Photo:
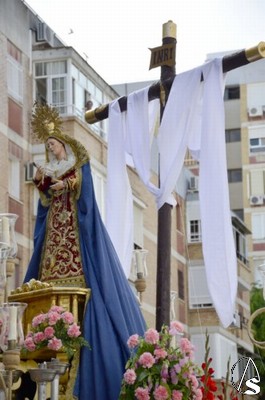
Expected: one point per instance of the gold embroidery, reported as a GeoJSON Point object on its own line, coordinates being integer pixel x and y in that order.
{"type": "Point", "coordinates": [61, 257]}
{"type": "Point", "coordinates": [45, 200]}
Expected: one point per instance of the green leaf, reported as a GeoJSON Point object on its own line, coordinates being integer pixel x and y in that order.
{"type": "Point", "coordinates": [144, 374]}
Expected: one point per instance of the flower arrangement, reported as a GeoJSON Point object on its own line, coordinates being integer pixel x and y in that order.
{"type": "Point", "coordinates": [158, 370]}
{"type": "Point", "coordinates": [55, 330]}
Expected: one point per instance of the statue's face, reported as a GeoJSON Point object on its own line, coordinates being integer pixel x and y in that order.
{"type": "Point", "coordinates": [56, 147]}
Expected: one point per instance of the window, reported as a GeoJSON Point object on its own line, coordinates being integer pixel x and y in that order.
{"type": "Point", "coordinates": [199, 295]}
{"type": "Point", "coordinates": [232, 135]}
{"type": "Point", "coordinates": [50, 84]}
{"type": "Point", "coordinates": [255, 99]}
{"type": "Point", "coordinates": [179, 219]}
{"type": "Point", "coordinates": [240, 243]}
{"type": "Point", "coordinates": [14, 178]}
{"type": "Point", "coordinates": [234, 175]}
{"type": "Point", "coordinates": [41, 90]}
{"type": "Point", "coordinates": [59, 99]}
{"type": "Point", "coordinates": [195, 231]}
{"type": "Point", "coordinates": [257, 138]}
{"type": "Point", "coordinates": [14, 72]}
{"type": "Point", "coordinates": [240, 213]}
{"type": "Point", "coordinates": [257, 182]}
{"type": "Point", "coordinates": [84, 90]}
{"type": "Point", "coordinates": [181, 290]}
{"type": "Point", "coordinates": [232, 92]}
{"type": "Point", "coordinates": [258, 226]}
{"type": "Point", "coordinates": [257, 145]}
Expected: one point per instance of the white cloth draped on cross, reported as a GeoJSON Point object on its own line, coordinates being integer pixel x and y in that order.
{"type": "Point", "coordinates": [193, 118]}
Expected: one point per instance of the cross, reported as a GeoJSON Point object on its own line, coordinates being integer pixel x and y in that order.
{"type": "Point", "coordinates": [164, 56]}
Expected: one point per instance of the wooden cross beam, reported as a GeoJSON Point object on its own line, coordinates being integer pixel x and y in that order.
{"type": "Point", "coordinates": [229, 62]}
{"type": "Point", "coordinates": [161, 89]}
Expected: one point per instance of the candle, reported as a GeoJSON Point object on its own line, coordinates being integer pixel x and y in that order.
{"type": "Point", "coordinates": [5, 229]}
{"type": "Point", "coordinates": [139, 262]}
{"type": "Point", "coordinates": [12, 334]}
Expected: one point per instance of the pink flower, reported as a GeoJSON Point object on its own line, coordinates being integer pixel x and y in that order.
{"type": "Point", "coordinates": [177, 395]}
{"type": "Point", "coordinates": [183, 361]}
{"type": "Point", "coordinates": [57, 309]}
{"type": "Point", "coordinates": [49, 332]}
{"type": "Point", "coordinates": [176, 328]}
{"type": "Point", "coordinates": [68, 317]}
{"type": "Point", "coordinates": [164, 372]}
{"type": "Point", "coordinates": [38, 319]}
{"type": "Point", "coordinates": [151, 336]}
{"type": "Point", "coordinates": [177, 368]}
{"type": "Point", "coordinates": [142, 393]}
{"type": "Point", "coordinates": [198, 394]}
{"type": "Point", "coordinates": [53, 317]}
{"type": "Point", "coordinates": [54, 344]}
{"type": "Point", "coordinates": [74, 330]}
{"type": "Point", "coordinates": [130, 376]}
{"type": "Point", "coordinates": [29, 344]}
{"type": "Point", "coordinates": [133, 341]}
{"type": "Point", "coordinates": [160, 353]}
{"type": "Point", "coordinates": [194, 381]}
{"type": "Point", "coordinates": [185, 345]}
{"type": "Point", "coordinates": [161, 393]}
{"type": "Point", "coordinates": [38, 337]}
{"type": "Point", "coordinates": [146, 360]}
{"type": "Point", "coordinates": [173, 376]}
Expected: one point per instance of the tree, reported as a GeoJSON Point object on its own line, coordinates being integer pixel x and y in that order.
{"type": "Point", "coordinates": [258, 327]}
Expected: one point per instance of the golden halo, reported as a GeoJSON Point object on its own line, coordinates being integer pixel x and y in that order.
{"type": "Point", "coordinates": [43, 117]}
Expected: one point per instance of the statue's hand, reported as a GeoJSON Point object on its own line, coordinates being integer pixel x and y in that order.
{"type": "Point", "coordinates": [57, 184]}
{"type": "Point", "coordinates": [39, 173]}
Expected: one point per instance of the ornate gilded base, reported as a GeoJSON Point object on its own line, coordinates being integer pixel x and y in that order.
{"type": "Point", "coordinates": [40, 298]}
{"type": "Point", "coordinates": [40, 301]}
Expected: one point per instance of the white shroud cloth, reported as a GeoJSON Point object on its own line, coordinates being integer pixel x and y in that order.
{"type": "Point", "coordinates": [193, 118]}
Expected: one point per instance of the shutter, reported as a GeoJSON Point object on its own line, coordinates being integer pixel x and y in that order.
{"type": "Point", "coordinates": [257, 183]}
{"type": "Point", "coordinates": [199, 295]}
{"type": "Point", "coordinates": [258, 230]}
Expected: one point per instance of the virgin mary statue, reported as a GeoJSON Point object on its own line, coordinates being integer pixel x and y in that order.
{"type": "Point", "coordinates": [72, 248]}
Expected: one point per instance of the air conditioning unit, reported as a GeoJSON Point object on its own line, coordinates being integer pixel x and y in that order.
{"type": "Point", "coordinates": [194, 183]}
{"type": "Point", "coordinates": [44, 33]}
{"type": "Point", "coordinates": [256, 111]}
{"type": "Point", "coordinates": [256, 200]}
{"type": "Point", "coordinates": [237, 320]}
{"type": "Point", "coordinates": [29, 172]}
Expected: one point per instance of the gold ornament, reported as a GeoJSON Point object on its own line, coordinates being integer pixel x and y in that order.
{"type": "Point", "coordinates": [45, 121]}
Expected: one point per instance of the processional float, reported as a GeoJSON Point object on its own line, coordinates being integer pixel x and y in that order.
{"type": "Point", "coordinates": [25, 302]}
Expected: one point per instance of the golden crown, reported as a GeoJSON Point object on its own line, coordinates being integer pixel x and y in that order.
{"type": "Point", "coordinates": [43, 117]}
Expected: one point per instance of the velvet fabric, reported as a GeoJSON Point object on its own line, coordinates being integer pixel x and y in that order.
{"type": "Point", "coordinates": [112, 313]}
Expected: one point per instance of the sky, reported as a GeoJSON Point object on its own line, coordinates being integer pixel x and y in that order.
{"type": "Point", "coordinates": [114, 36]}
